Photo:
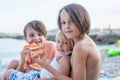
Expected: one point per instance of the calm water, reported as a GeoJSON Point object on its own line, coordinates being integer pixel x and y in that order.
{"type": "Point", "coordinates": [10, 49]}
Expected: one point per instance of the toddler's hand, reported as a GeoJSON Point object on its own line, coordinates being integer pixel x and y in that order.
{"type": "Point", "coordinates": [43, 61]}
{"type": "Point", "coordinates": [24, 53]}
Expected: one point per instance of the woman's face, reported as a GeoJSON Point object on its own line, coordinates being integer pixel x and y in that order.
{"type": "Point", "coordinates": [68, 26]}
{"type": "Point", "coordinates": [33, 36]}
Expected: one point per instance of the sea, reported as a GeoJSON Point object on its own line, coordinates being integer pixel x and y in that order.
{"type": "Point", "coordinates": [10, 49]}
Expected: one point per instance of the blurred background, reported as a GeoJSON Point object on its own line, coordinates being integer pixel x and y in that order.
{"type": "Point", "coordinates": [105, 28]}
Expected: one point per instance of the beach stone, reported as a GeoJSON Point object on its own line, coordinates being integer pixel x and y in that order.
{"type": "Point", "coordinates": [110, 67]}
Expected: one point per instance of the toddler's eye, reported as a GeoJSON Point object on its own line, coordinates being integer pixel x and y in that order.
{"type": "Point", "coordinates": [39, 34]}
{"type": "Point", "coordinates": [65, 43]}
{"type": "Point", "coordinates": [58, 42]}
{"type": "Point", "coordinates": [31, 35]}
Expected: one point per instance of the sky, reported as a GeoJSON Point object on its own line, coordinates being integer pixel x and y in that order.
{"type": "Point", "coordinates": [15, 14]}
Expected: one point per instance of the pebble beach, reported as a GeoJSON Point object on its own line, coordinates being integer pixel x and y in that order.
{"type": "Point", "coordinates": [110, 65]}
{"type": "Point", "coordinates": [110, 69]}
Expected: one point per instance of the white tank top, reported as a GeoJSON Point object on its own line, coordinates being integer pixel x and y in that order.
{"type": "Point", "coordinates": [45, 74]}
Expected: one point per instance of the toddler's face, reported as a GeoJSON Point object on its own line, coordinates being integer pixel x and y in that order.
{"type": "Point", "coordinates": [35, 36]}
{"type": "Point", "coordinates": [63, 46]}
